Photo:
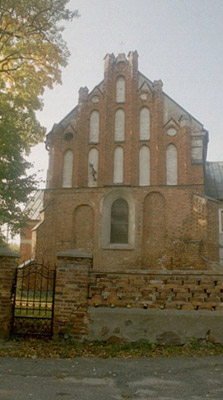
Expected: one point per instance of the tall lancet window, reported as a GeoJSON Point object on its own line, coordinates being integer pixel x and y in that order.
{"type": "Point", "coordinates": [67, 169]}
{"type": "Point", "coordinates": [119, 221]}
{"type": "Point", "coordinates": [119, 125]}
{"type": "Point", "coordinates": [171, 165]}
{"type": "Point", "coordinates": [144, 124]}
{"type": "Point", "coordinates": [144, 166]}
{"type": "Point", "coordinates": [118, 165]}
{"type": "Point", "coordinates": [94, 127]}
{"type": "Point", "coordinates": [93, 167]}
{"type": "Point", "coordinates": [120, 90]}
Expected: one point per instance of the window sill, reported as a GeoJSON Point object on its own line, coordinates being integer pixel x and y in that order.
{"type": "Point", "coordinates": [116, 246]}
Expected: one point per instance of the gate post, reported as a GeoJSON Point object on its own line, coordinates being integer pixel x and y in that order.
{"type": "Point", "coordinates": [71, 294]}
{"type": "Point", "coordinates": [8, 265]}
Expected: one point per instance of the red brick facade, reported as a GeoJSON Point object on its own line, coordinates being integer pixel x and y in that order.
{"type": "Point", "coordinates": [171, 226]}
{"type": "Point", "coordinates": [26, 240]}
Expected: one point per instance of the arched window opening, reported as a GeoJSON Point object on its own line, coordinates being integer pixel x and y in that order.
{"type": "Point", "coordinates": [144, 166]}
{"type": "Point", "coordinates": [120, 90]}
{"type": "Point", "coordinates": [67, 169]}
{"type": "Point", "coordinates": [119, 125]}
{"type": "Point", "coordinates": [93, 168]}
{"type": "Point", "coordinates": [144, 124]}
{"type": "Point", "coordinates": [118, 165]}
{"type": "Point", "coordinates": [171, 165]}
{"type": "Point", "coordinates": [94, 127]}
{"type": "Point", "coordinates": [119, 221]}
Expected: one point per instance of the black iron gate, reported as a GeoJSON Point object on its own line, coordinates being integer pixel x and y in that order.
{"type": "Point", "coordinates": [33, 300]}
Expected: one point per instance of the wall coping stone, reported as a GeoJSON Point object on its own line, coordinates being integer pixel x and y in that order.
{"type": "Point", "coordinates": [73, 254]}
{"type": "Point", "coordinates": [157, 272]}
{"type": "Point", "coordinates": [5, 252]}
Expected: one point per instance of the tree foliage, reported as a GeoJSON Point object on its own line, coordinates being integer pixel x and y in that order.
{"type": "Point", "coordinates": [32, 53]}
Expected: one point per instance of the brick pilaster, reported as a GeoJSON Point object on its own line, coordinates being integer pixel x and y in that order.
{"type": "Point", "coordinates": [8, 264]}
{"type": "Point", "coordinates": [71, 294]}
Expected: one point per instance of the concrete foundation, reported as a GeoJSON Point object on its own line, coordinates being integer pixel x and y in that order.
{"type": "Point", "coordinates": [167, 327]}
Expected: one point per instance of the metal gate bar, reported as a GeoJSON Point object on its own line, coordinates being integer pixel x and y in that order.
{"type": "Point", "coordinates": [33, 300]}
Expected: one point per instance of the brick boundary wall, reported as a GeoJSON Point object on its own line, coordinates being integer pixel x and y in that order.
{"type": "Point", "coordinates": [8, 265]}
{"type": "Point", "coordinates": [182, 290]}
{"type": "Point", "coordinates": [80, 289]}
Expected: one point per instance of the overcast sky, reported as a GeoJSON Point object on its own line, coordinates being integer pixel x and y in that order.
{"type": "Point", "coordinates": [178, 41]}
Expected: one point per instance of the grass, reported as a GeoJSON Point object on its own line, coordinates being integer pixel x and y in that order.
{"type": "Point", "coordinates": [33, 306]}
{"type": "Point", "coordinates": [39, 348]}
{"type": "Point", "coordinates": [33, 312]}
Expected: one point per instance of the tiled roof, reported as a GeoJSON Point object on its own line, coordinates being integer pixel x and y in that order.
{"type": "Point", "coordinates": [214, 180]}
{"type": "Point", "coordinates": [35, 205]}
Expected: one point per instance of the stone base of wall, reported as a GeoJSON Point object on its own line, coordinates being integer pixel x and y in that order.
{"type": "Point", "coordinates": [167, 327]}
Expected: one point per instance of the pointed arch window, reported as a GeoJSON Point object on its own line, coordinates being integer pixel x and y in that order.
{"type": "Point", "coordinates": [118, 164]}
{"type": "Point", "coordinates": [119, 125]}
{"type": "Point", "coordinates": [67, 169]}
{"type": "Point", "coordinates": [119, 221]}
{"type": "Point", "coordinates": [144, 166]}
{"type": "Point", "coordinates": [120, 90]}
{"type": "Point", "coordinates": [93, 167]}
{"type": "Point", "coordinates": [94, 127]}
{"type": "Point", "coordinates": [171, 165]}
{"type": "Point", "coordinates": [144, 124]}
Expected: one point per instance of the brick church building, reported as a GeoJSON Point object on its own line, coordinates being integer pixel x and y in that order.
{"type": "Point", "coordinates": [128, 180]}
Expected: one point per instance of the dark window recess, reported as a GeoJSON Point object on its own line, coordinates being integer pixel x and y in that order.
{"type": "Point", "coordinates": [68, 136]}
{"type": "Point", "coordinates": [119, 221]}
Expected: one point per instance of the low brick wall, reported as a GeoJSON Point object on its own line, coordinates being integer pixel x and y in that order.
{"type": "Point", "coordinates": [186, 290]}
{"type": "Point", "coordinates": [170, 307]}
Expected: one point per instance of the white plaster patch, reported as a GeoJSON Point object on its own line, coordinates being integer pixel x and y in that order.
{"type": "Point", "coordinates": [119, 125]}
{"type": "Point", "coordinates": [197, 153]}
{"type": "Point", "coordinates": [120, 90]}
{"type": "Point", "coordinates": [118, 165]}
{"type": "Point", "coordinates": [144, 166]}
{"type": "Point", "coordinates": [171, 165]}
{"type": "Point", "coordinates": [143, 96]}
{"type": "Point", "coordinates": [144, 124]}
{"type": "Point", "coordinates": [171, 131]}
{"type": "Point", "coordinates": [95, 99]}
{"type": "Point", "coordinates": [67, 169]}
{"type": "Point", "coordinates": [94, 127]}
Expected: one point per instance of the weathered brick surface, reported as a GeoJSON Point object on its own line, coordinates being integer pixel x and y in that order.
{"type": "Point", "coordinates": [185, 235]}
{"type": "Point", "coordinates": [26, 245]}
{"type": "Point", "coordinates": [79, 287]}
{"type": "Point", "coordinates": [175, 290]}
{"type": "Point", "coordinates": [71, 297]}
{"type": "Point", "coordinates": [176, 227]}
{"type": "Point", "coordinates": [7, 279]}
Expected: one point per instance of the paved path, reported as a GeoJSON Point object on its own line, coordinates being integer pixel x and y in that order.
{"type": "Point", "coordinates": [98, 379]}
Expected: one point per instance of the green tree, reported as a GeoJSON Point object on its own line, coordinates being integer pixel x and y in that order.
{"type": "Point", "coordinates": [32, 53]}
